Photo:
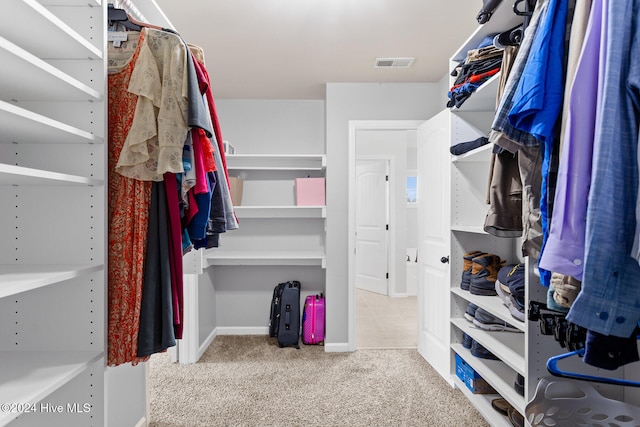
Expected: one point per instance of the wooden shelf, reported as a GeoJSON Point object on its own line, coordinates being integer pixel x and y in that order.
{"type": "Point", "coordinates": [276, 162]}
{"type": "Point", "coordinates": [15, 279]}
{"type": "Point", "coordinates": [507, 346]}
{"type": "Point", "coordinates": [493, 304]}
{"type": "Point", "coordinates": [17, 175]}
{"type": "Point", "coordinates": [16, 121]}
{"type": "Point", "coordinates": [28, 377]}
{"type": "Point", "coordinates": [45, 82]}
{"type": "Point", "coordinates": [496, 373]}
{"type": "Point", "coordinates": [222, 257]}
{"type": "Point", "coordinates": [55, 39]}
{"type": "Point", "coordinates": [280, 211]}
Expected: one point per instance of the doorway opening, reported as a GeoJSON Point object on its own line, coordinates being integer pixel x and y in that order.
{"type": "Point", "coordinates": [380, 319]}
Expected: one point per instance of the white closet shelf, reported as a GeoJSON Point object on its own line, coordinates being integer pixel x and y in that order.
{"type": "Point", "coordinates": [495, 373]}
{"type": "Point", "coordinates": [276, 162]}
{"type": "Point", "coordinates": [28, 78]}
{"type": "Point", "coordinates": [17, 175]}
{"type": "Point", "coordinates": [223, 257]}
{"type": "Point", "coordinates": [28, 377]}
{"type": "Point", "coordinates": [483, 98]}
{"type": "Point", "coordinates": [493, 304]}
{"type": "Point", "coordinates": [91, 3]}
{"type": "Point", "coordinates": [15, 279]}
{"type": "Point", "coordinates": [482, 403]}
{"type": "Point", "coordinates": [55, 39]}
{"type": "Point", "coordinates": [480, 154]}
{"type": "Point", "coordinates": [281, 211]}
{"type": "Point", "coordinates": [476, 229]}
{"type": "Point", "coordinates": [507, 346]}
{"type": "Point", "coordinates": [24, 126]}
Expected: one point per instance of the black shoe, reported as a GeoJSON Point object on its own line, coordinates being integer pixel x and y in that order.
{"type": "Point", "coordinates": [470, 312]}
{"type": "Point", "coordinates": [467, 341]}
{"type": "Point", "coordinates": [479, 351]}
{"type": "Point", "coordinates": [519, 385]}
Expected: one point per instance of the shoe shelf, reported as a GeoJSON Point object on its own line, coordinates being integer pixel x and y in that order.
{"type": "Point", "coordinates": [482, 403]}
{"type": "Point", "coordinates": [495, 373]}
{"type": "Point", "coordinates": [493, 304]}
{"type": "Point", "coordinates": [507, 346]}
{"type": "Point", "coordinates": [15, 279]}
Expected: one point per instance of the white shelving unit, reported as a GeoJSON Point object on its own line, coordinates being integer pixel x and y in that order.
{"type": "Point", "coordinates": [273, 229]}
{"type": "Point", "coordinates": [53, 215]}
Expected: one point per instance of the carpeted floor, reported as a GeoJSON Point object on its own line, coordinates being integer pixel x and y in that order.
{"type": "Point", "coordinates": [249, 381]}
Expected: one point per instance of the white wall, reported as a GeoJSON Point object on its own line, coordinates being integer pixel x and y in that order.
{"type": "Point", "coordinates": [359, 101]}
{"type": "Point", "coordinates": [391, 144]}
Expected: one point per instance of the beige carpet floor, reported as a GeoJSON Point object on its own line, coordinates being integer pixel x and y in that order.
{"type": "Point", "coordinates": [250, 381]}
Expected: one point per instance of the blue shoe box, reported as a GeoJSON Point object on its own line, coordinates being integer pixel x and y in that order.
{"type": "Point", "coordinates": [471, 378]}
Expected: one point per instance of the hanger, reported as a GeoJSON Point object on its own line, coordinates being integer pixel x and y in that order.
{"type": "Point", "coordinates": [529, 5]}
{"type": "Point", "coordinates": [120, 16]}
{"type": "Point", "coordinates": [552, 367]}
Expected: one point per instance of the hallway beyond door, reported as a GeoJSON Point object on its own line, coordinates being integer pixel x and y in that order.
{"type": "Point", "coordinates": [385, 322]}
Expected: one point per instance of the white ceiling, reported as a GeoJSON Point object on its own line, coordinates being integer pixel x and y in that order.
{"type": "Point", "coordinates": [289, 49]}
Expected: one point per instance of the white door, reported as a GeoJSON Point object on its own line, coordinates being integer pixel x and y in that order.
{"type": "Point", "coordinates": [434, 243]}
{"type": "Point", "coordinates": [371, 225]}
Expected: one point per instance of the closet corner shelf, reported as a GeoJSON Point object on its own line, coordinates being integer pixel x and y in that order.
{"type": "Point", "coordinates": [15, 279]}
{"type": "Point", "coordinates": [482, 99]}
{"type": "Point", "coordinates": [46, 82]}
{"type": "Point", "coordinates": [480, 154]}
{"type": "Point", "coordinates": [17, 175]}
{"type": "Point", "coordinates": [23, 126]}
{"type": "Point", "coordinates": [507, 346]}
{"type": "Point", "coordinates": [495, 373]}
{"type": "Point", "coordinates": [224, 257]}
{"type": "Point", "coordinates": [482, 403]}
{"type": "Point", "coordinates": [281, 211]}
{"type": "Point", "coordinates": [27, 377]}
{"type": "Point", "coordinates": [276, 161]}
{"type": "Point", "coordinates": [56, 39]}
{"type": "Point", "coordinates": [493, 304]}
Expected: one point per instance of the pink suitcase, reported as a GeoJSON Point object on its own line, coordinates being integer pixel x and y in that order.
{"type": "Point", "coordinates": [313, 320]}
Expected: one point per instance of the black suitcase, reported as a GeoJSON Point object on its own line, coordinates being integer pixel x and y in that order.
{"type": "Point", "coordinates": [274, 315]}
{"type": "Point", "coordinates": [288, 333]}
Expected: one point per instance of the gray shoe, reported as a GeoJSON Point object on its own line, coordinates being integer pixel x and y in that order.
{"type": "Point", "coordinates": [487, 321]}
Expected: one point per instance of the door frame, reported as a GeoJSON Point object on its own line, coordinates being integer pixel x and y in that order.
{"type": "Point", "coordinates": [390, 170]}
{"type": "Point", "coordinates": [355, 125]}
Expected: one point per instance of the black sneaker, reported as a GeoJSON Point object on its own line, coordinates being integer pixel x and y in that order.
{"type": "Point", "coordinates": [519, 385]}
{"type": "Point", "coordinates": [467, 341]}
{"type": "Point", "coordinates": [479, 351]}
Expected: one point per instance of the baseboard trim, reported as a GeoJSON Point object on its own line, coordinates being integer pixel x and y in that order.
{"type": "Point", "coordinates": [207, 342]}
{"type": "Point", "coordinates": [242, 330]}
{"type": "Point", "coordinates": [337, 347]}
{"type": "Point", "coordinates": [142, 422]}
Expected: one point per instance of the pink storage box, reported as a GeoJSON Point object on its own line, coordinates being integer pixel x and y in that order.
{"type": "Point", "coordinates": [310, 192]}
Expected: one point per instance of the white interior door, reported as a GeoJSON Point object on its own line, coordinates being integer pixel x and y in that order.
{"type": "Point", "coordinates": [372, 215]}
{"type": "Point", "coordinates": [434, 196]}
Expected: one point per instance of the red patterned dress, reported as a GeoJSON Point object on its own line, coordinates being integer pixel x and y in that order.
{"type": "Point", "coordinates": [128, 201]}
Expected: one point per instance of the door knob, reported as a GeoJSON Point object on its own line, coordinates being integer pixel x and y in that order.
{"type": "Point", "coordinates": [444, 259]}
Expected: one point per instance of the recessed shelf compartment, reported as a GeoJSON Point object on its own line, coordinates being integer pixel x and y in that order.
{"type": "Point", "coordinates": [24, 126]}
{"type": "Point", "coordinates": [17, 175]}
{"type": "Point", "coordinates": [55, 39]}
{"type": "Point", "coordinates": [483, 98]}
{"type": "Point", "coordinates": [15, 279]}
{"type": "Point", "coordinates": [28, 377]}
{"type": "Point", "coordinates": [482, 403]}
{"type": "Point", "coordinates": [276, 162]}
{"type": "Point", "coordinates": [222, 257]}
{"type": "Point", "coordinates": [495, 373]}
{"type": "Point", "coordinates": [27, 78]}
{"type": "Point", "coordinates": [507, 346]}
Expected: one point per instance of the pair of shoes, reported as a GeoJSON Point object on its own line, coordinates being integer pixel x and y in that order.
{"type": "Point", "coordinates": [466, 268]}
{"type": "Point", "coordinates": [501, 405]}
{"type": "Point", "coordinates": [488, 322]}
{"type": "Point", "coordinates": [470, 312]}
{"type": "Point", "coordinates": [484, 273]}
{"type": "Point", "coordinates": [509, 286]}
{"type": "Point", "coordinates": [467, 341]}
{"type": "Point", "coordinates": [481, 352]}
{"type": "Point", "coordinates": [515, 417]}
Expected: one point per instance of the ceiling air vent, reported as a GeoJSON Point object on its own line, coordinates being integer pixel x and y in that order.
{"type": "Point", "coordinates": [393, 62]}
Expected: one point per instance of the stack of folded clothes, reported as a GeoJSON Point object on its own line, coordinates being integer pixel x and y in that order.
{"type": "Point", "coordinates": [479, 66]}
{"type": "Point", "coordinates": [510, 288]}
